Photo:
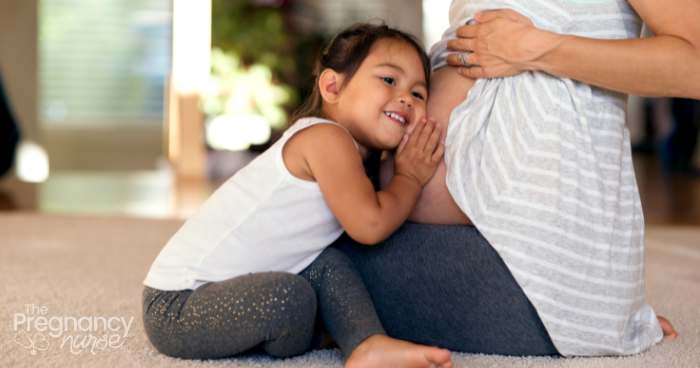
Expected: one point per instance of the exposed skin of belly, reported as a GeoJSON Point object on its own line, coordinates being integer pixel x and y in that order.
{"type": "Point", "coordinates": [435, 204]}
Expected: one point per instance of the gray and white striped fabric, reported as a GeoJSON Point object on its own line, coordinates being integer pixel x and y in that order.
{"type": "Point", "coordinates": [542, 166]}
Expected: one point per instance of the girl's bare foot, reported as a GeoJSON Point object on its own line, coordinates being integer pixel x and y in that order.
{"type": "Point", "coordinates": [383, 352]}
{"type": "Point", "coordinates": [667, 327]}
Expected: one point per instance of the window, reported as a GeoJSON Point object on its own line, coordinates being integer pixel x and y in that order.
{"type": "Point", "coordinates": [103, 62]}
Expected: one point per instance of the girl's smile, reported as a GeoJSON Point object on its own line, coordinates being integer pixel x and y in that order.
{"type": "Point", "coordinates": [397, 117]}
{"type": "Point", "coordinates": [387, 94]}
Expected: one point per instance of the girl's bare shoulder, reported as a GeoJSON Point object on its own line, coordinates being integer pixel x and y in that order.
{"type": "Point", "coordinates": [314, 143]}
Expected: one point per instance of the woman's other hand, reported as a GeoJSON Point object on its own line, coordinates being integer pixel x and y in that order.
{"type": "Point", "coordinates": [500, 43]}
{"type": "Point", "coordinates": [667, 327]}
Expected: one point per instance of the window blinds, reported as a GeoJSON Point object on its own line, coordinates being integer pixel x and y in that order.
{"type": "Point", "coordinates": [103, 61]}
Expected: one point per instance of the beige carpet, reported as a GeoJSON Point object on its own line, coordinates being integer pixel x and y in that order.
{"type": "Point", "coordinates": [70, 286]}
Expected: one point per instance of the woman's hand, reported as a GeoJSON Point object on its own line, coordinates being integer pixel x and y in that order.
{"type": "Point", "coordinates": [500, 43]}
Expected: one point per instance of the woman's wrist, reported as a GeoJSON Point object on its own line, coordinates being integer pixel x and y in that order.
{"type": "Point", "coordinates": [543, 46]}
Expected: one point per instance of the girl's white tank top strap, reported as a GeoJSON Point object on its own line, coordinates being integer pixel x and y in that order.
{"type": "Point", "coordinates": [261, 219]}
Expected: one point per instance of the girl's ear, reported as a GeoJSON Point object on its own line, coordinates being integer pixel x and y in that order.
{"type": "Point", "coordinates": [329, 83]}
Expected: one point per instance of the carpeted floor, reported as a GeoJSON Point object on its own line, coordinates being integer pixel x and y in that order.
{"type": "Point", "coordinates": [71, 290]}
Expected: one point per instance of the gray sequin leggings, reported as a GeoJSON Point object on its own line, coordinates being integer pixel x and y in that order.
{"type": "Point", "coordinates": [273, 311]}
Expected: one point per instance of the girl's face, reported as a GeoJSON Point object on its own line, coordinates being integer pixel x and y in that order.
{"type": "Point", "coordinates": [387, 93]}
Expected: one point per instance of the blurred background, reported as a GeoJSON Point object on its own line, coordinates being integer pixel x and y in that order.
{"type": "Point", "coordinates": [144, 107]}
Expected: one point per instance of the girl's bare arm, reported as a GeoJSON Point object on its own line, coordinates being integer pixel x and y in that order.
{"type": "Point", "coordinates": [368, 216]}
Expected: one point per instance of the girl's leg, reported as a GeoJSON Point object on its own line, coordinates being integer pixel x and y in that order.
{"type": "Point", "coordinates": [349, 315]}
{"type": "Point", "coordinates": [344, 304]}
{"type": "Point", "coordinates": [220, 319]}
{"type": "Point", "coordinates": [445, 285]}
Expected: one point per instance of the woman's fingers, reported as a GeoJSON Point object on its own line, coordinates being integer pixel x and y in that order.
{"type": "Point", "coordinates": [468, 30]}
{"type": "Point", "coordinates": [457, 60]}
{"type": "Point", "coordinates": [462, 44]}
{"type": "Point", "coordinates": [463, 60]}
{"type": "Point", "coordinates": [500, 44]}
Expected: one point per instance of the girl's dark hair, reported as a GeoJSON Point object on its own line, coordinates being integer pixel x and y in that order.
{"type": "Point", "coordinates": [347, 51]}
{"type": "Point", "coordinates": [344, 54]}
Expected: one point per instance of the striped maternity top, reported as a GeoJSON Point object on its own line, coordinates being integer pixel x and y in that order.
{"type": "Point", "coordinates": [542, 166]}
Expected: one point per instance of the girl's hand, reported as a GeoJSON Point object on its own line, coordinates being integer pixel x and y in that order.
{"type": "Point", "coordinates": [420, 152]}
{"type": "Point", "coordinates": [500, 43]}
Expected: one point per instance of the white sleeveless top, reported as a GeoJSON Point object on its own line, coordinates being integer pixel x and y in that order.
{"type": "Point", "coordinates": [542, 166]}
{"type": "Point", "coordinates": [261, 219]}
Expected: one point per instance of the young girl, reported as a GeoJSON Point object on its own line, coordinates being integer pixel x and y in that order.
{"type": "Point", "coordinates": [250, 267]}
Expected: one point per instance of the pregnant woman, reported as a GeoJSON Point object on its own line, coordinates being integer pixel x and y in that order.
{"type": "Point", "coordinates": [529, 240]}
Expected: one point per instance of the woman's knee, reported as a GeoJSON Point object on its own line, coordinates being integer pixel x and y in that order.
{"type": "Point", "coordinates": [354, 251]}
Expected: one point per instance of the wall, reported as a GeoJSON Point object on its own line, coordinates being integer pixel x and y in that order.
{"type": "Point", "coordinates": [332, 15]}
{"type": "Point", "coordinates": [18, 61]}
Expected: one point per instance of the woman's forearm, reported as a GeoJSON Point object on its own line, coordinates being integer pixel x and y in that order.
{"type": "Point", "coordinates": [656, 66]}
{"type": "Point", "coordinates": [503, 43]}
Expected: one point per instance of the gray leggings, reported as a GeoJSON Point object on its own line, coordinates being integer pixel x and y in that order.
{"type": "Point", "coordinates": [444, 285]}
{"type": "Point", "coordinates": [271, 311]}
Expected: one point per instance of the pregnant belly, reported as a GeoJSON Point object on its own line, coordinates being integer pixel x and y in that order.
{"type": "Point", "coordinates": [435, 205]}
